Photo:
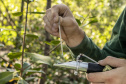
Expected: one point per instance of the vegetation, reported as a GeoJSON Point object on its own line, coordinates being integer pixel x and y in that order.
{"type": "Point", "coordinates": [28, 52]}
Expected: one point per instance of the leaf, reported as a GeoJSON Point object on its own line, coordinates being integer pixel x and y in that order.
{"type": "Point", "coordinates": [1, 45]}
{"type": "Point", "coordinates": [55, 42]}
{"type": "Point", "coordinates": [21, 81]}
{"type": "Point", "coordinates": [10, 70]}
{"type": "Point", "coordinates": [93, 21]}
{"type": "Point", "coordinates": [37, 12]}
{"type": "Point", "coordinates": [5, 77]}
{"type": "Point", "coordinates": [13, 55]}
{"type": "Point", "coordinates": [36, 71]}
{"type": "Point", "coordinates": [49, 43]}
{"type": "Point", "coordinates": [7, 29]}
{"type": "Point", "coordinates": [32, 35]}
{"type": "Point", "coordinates": [26, 66]}
{"type": "Point", "coordinates": [17, 14]}
{"type": "Point", "coordinates": [30, 78]}
{"type": "Point", "coordinates": [17, 66]}
{"type": "Point", "coordinates": [78, 21]}
{"type": "Point", "coordinates": [93, 17]}
{"type": "Point", "coordinates": [37, 58]}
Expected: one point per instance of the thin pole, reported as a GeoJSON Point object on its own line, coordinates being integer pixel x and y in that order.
{"type": "Point", "coordinates": [23, 44]}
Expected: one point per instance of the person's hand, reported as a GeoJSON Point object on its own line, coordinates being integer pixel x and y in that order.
{"type": "Point", "coordinates": [115, 76]}
{"type": "Point", "coordinates": [70, 31]}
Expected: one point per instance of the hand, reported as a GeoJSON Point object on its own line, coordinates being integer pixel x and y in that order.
{"type": "Point", "coordinates": [115, 76]}
{"type": "Point", "coordinates": [70, 31]}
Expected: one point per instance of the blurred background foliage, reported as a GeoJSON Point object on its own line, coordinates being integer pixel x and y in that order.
{"type": "Point", "coordinates": [95, 17]}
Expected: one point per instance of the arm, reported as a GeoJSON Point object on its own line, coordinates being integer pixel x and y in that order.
{"type": "Point", "coordinates": [75, 38]}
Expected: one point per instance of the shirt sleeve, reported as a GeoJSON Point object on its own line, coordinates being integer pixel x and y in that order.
{"type": "Point", "coordinates": [88, 48]}
{"type": "Point", "coordinates": [115, 47]}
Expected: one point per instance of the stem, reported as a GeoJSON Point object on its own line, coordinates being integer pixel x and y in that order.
{"type": "Point", "coordinates": [54, 48]}
{"type": "Point", "coordinates": [4, 59]}
{"type": "Point", "coordinates": [23, 44]}
{"type": "Point", "coordinates": [27, 67]}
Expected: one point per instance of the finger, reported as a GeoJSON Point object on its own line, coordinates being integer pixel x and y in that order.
{"type": "Point", "coordinates": [47, 21]}
{"type": "Point", "coordinates": [97, 83]}
{"type": "Point", "coordinates": [55, 27]}
{"type": "Point", "coordinates": [49, 16]}
{"type": "Point", "coordinates": [112, 61]}
{"type": "Point", "coordinates": [97, 77]}
{"type": "Point", "coordinates": [48, 29]}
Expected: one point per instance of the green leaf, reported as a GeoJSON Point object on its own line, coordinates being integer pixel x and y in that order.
{"type": "Point", "coordinates": [26, 66]}
{"type": "Point", "coordinates": [93, 21]}
{"type": "Point", "coordinates": [48, 43]}
{"type": "Point", "coordinates": [17, 66]}
{"type": "Point", "coordinates": [7, 29]}
{"type": "Point", "coordinates": [93, 17]}
{"type": "Point", "coordinates": [55, 42]}
{"type": "Point", "coordinates": [30, 78]}
{"type": "Point", "coordinates": [21, 81]}
{"type": "Point", "coordinates": [1, 45]}
{"type": "Point", "coordinates": [32, 35]}
{"type": "Point", "coordinates": [5, 77]}
{"type": "Point", "coordinates": [17, 14]}
{"type": "Point", "coordinates": [78, 21]}
{"type": "Point", "coordinates": [36, 71]}
{"type": "Point", "coordinates": [37, 58]}
{"type": "Point", "coordinates": [13, 55]}
{"type": "Point", "coordinates": [37, 12]}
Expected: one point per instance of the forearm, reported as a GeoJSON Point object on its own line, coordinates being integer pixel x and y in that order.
{"type": "Point", "coordinates": [75, 39]}
{"type": "Point", "coordinates": [88, 48]}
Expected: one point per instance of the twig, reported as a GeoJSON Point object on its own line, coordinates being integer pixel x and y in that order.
{"type": "Point", "coordinates": [54, 48]}
{"type": "Point", "coordinates": [4, 59]}
{"type": "Point", "coordinates": [9, 62]}
{"type": "Point", "coordinates": [27, 67]}
{"type": "Point", "coordinates": [23, 44]}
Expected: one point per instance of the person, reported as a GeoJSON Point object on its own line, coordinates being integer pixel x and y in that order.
{"type": "Point", "coordinates": [79, 42]}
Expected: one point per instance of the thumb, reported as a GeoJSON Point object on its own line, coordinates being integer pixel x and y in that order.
{"type": "Point", "coordinates": [112, 61]}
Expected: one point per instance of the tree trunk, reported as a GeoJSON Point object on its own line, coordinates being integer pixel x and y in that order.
{"type": "Point", "coordinates": [46, 50]}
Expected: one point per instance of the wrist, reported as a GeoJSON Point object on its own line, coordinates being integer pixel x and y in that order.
{"type": "Point", "coordinates": [75, 39]}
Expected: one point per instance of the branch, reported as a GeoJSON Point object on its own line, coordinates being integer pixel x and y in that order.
{"type": "Point", "coordinates": [9, 16]}
{"type": "Point", "coordinates": [8, 62]}
{"type": "Point", "coordinates": [4, 59]}
{"type": "Point", "coordinates": [23, 44]}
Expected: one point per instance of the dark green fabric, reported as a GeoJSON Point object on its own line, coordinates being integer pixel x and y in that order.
{"type": "Point", "coordinates": [115, 47]}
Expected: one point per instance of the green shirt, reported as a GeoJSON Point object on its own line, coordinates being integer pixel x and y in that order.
{"type": "Point", "coordinates": [115, 47]}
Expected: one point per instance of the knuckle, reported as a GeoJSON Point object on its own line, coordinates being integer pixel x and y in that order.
{"type": "Point", "coordinates": [55, 6]}
{"type": "Point", "coordinates": [108, 58]}
{"type": "Point", "coordinates": [64, 5]}
{"type": "Point", "coordinates": [123, 61]}
{"type": "Point", "coordinates": [48, 10]}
